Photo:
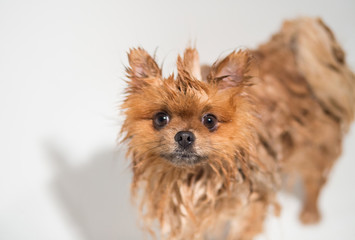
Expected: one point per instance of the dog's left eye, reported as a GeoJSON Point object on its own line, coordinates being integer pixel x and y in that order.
{"type": "Point", "coordinates": [210, 121]}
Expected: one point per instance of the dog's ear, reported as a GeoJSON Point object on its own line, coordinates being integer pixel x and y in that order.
{"type": "Point", "coordinates": [142, 70]}
{"type": "Point", "coordinates": [237, 69]}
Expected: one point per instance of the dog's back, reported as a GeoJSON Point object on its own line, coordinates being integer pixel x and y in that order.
{"type": "Point", "coordinates": [306, 99]}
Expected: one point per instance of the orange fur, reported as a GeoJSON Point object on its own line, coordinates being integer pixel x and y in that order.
{"type": "Point", "coordinates": [273, 119]}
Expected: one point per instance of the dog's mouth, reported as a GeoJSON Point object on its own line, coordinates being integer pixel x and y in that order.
{"type": "Point", "coordinates": [184, 158]}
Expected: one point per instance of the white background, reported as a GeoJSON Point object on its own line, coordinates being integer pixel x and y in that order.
{"type": "Point", "coordinates": [61, 70]}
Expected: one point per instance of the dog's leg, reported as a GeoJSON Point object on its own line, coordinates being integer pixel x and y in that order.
{"type": "Point", "coordinates": [313, 185]}
{"type": "Point", "coordinates": [250, 223]}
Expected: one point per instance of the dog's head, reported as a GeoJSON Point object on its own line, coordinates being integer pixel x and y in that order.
{"type": "Point", "coordinates": [184, 120]}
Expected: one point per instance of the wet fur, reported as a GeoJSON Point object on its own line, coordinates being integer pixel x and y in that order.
{"type": "Point", "coordinates": [282, 110]}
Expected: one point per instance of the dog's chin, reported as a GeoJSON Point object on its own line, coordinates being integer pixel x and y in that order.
{"type": "Point", "coordinates": [184, 158]}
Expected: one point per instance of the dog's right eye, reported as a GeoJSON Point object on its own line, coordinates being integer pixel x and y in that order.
{"type": "Point", "coordinates": [160, 120]}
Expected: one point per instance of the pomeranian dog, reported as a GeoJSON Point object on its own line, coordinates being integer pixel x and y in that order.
{"type": "Point", "coordinates": [210, 148]}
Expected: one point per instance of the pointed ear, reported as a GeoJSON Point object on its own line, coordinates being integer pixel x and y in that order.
{"type": "Point", "coordinates": [142, 69]}
{"type": "Point", "coordinates": [237, 69]}
{"type": "Point", "coordinates": [191, 63]}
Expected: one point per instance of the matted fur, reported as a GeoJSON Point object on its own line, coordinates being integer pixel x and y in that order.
{"type": "Point", "coordinates": [281, 109]}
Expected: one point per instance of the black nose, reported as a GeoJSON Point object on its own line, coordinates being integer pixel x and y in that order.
{"type": "Point", "coordinates": [184, 138]}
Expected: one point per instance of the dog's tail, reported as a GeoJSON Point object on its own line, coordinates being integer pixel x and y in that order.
{"type": "Point", "coordinates": [321, 60]}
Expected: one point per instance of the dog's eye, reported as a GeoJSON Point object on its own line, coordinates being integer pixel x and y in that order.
{"type": "Point", "coordinates": [210, 121]}
{"type": "Point", "coordinates": [160, 120]}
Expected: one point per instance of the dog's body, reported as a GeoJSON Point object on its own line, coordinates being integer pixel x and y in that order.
{"type": "Point", "coordinates": [209, 152]}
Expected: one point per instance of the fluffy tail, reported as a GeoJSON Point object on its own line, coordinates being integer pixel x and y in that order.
{"type": "Point", "coordinates": [321, 60]}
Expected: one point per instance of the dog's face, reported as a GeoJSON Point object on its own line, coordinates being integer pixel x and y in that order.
{"type": "Point", "coordinates": [185, 121]}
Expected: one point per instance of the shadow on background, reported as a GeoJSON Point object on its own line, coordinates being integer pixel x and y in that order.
{"type": "Point", "coordinates": [96, 195]}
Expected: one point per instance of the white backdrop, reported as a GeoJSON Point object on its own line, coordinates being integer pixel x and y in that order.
{"type": "Point", "coordinates": [61, 71]}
